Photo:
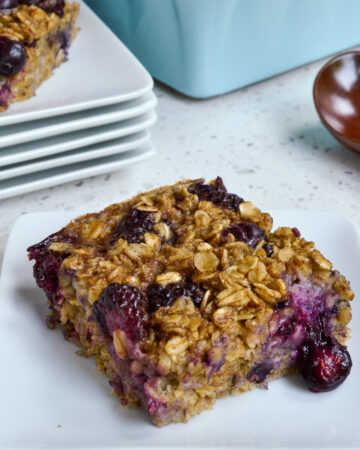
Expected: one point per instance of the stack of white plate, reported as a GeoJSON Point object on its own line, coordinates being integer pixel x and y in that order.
{"type": "Point", "coordinates": [91, 117]}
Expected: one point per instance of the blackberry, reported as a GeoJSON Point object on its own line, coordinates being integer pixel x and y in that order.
{"type": "Point", "coordinates": [122, 307]}
{"type": "Point", "coordinates": [246, 232]}
{"type": "Point", "coordinates": [47, 263]}
{"type": "Point", "coordinates": [217, 194]}
{"type": "Point", "coordinates": [37, 250]}
{"type": "Point", "coordinates": [159, 295]}
{"type": "Point", "coordinates": [46, 271]}
{"type": "Point", "coordinates": [133, 227]}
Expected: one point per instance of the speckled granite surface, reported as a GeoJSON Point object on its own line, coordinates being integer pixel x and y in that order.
{"type": "Point", "coordinates": [266, 138]}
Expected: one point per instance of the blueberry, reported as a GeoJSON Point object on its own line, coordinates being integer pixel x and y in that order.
{"type": "Point", "coordinates": [268, 249]}
{"type": "Point", "coordinates": [216, 194]}
{"type": "Point", "coordinates": [49, 6]}
{"type": "Point", "coordinates": [286, 329]}
{"type": "Point", "coordinates": [122, 307]}
{"type": "Point", "coordinates": [65, 39]}
{"type": "Point", "coordinates": [246, 232]}
{"type": "Point", "coordinates": [215, 358]}
{"type": "Point", "coordinates": [159, 295]}
{"type": "Point", "coordinates": [296, 232]}
{"type": "Point", "coordinates": [8, 4]}
{"type": "Point", "coordinates": [134, 225]}
{"type": "Point", "coordinates": [12, 57]}
{"type": "Point", "coordinates": [324, 364]}
{"type": "Point", "coordinates": [283, 304]}
{"type": "Point", "coordinates": [259, 372]}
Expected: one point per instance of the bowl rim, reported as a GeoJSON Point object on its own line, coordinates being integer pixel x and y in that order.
{"type": "Point", "coordinates": [336, 134]}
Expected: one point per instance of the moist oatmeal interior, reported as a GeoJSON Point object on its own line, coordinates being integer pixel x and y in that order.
{"type": "Point", "coordinates": [184, 294]}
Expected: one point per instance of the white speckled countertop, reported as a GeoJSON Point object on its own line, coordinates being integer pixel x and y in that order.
{"type": "Point", "coordinates": [266, 138]}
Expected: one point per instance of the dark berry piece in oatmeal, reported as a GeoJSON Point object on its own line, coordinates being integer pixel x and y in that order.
{"type": "Point", "coordinates": [47, 262]}
{"type": "Point", "coordinates": [122, 307]}
{"type": "Point", "coordinates": [46, 272]}
{"type": "Point", "coordinates": [247, 232]}
{"type": "Point", "coordinates": [259, 372]}
{"type": "Point", "coordinates": [12, 57]}
{"type": "Point", "coordinates": [324, 364]}
{"type": "Point", "coordinates": [269, 250]}
{"type": "Point", "coordinates": [159, 295]}
{"type": "Point", "coordinates": [286, 327]}
{"type": "Point", "coordinates": [133, 227]}
{"type": "Point", "coordinates": [216, 358]}
{"type": "Point", "coordinates": [8, 4]}
{"type": "Point", "coordinates": [37, 250]}
{"type": "Point", "coordinates": [49, 6]}
{"type": "Point", "coordinates": [216, 194]}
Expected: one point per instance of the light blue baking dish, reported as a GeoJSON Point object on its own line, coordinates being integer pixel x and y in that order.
{"type": "Point", "coordinates": [208, 47]}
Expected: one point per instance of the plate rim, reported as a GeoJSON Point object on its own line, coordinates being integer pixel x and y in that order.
{"type": "Point", "coordinates": [79, 174]}
{"type": "Point", "coordinates": [74, 213]}
{"type": "Point", "coordinates": [148, 103]}
{"type": "Point", "coordinates": [81, 155]}
{"type": "Point", "coordinates": [148, 119]}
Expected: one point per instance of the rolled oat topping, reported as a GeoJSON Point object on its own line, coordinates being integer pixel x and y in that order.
{"type": "Point", "coordinates": [185, 294]}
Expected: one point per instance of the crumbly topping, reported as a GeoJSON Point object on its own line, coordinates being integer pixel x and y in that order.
{"type": "Point", "coordinates": [242, 285]}
{"type": "Point", "coordinates": [27, 23]}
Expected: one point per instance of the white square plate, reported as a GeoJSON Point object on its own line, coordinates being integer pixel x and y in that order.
{"type": "Point", "coordinates": [64, 174]}
{"type": "Point", "coordinates": [77, 139]}
{"type": "Point", "coordinates": [43, 128]}
{"type": "Point", "coordinates": [100, 71]}
{"type": "Point", "coordinates": [113, 147]}
{"type": "Point", "coordinates": [52, 398]}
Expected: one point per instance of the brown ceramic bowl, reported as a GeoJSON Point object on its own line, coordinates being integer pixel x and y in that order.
{"type": "Point", "coordinates": [337, 98]}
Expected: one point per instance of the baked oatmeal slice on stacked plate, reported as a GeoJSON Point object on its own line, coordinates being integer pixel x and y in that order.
{"type": "Point", "coordinates": [184, 294]}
